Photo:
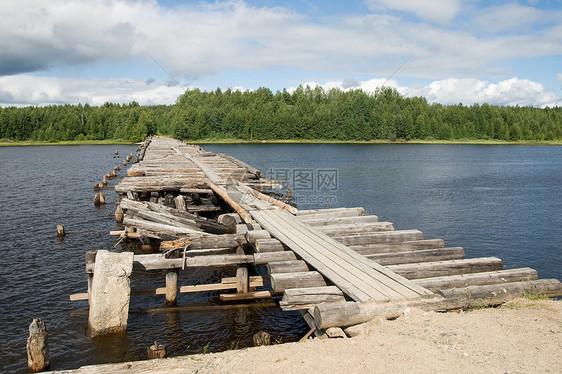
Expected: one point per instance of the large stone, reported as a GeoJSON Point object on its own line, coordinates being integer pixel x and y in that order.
{"type": "Point", "coordinates": [110, 293]}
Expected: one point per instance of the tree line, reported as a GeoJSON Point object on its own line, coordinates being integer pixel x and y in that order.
{"type": "Point", "coordinates": [305, 113]}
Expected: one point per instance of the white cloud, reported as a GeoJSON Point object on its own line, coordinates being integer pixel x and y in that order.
{"type": "Point", "coordinates": [514, 91]}
{"type": "Point", "coordinates": [23, 90]}
{"type": "Point", "coordinates": [194, 41]}
{"type": "Point", "coordinates": [438, 11]}
{"type": "Point", "coordinates": [510, 17]}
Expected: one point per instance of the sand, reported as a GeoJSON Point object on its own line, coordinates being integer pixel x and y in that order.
{"type": "Point", "coordinates": [522, 336]}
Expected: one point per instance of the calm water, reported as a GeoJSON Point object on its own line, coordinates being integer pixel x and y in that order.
{"type": "Point", "coordinates": [502, 201]}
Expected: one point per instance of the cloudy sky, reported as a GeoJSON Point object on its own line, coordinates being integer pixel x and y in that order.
{"type": "Point", "coordinates": [450, 51]}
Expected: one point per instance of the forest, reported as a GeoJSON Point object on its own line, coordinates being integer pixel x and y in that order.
{"type": "Point", "coordinates": [304, 114]}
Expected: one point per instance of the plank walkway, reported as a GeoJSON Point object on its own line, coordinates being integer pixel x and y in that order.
{"type": "Point", "coordinates": [360, 278]}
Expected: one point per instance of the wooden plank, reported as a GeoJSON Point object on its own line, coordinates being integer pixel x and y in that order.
{"type": "Point", "coordinates": [371, 249]}
{"type": "Point", "coordinates": [397, 236]}
{"type": "Point", "coordinates": [393, 284]}
{"type": "Point", "coordinates": [451, 267]}
{"type": "Point", "coordinates": [424, 255]}
{"type": "Point", "coordinates": [383, 282]}
{"type": "Point", "coordinates": [338, 220]}
{"type": "Point", "coordinates": [246, 295]}
{"type": "Point", "coordinates": [344, 284]}
{"type": "Point", "coordinates": [478, 279]}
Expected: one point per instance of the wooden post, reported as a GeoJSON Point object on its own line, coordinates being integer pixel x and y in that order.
{"type": "Point", "coordinates": [99, 199]}
{"type": "Point", "coordinates": [60, 231]}
{"type": "Point", "coordinates": [172, 287]}
{"type": "Point", "coordinates": [90, 261]}
{"type": "Point", "coordinates": [156, 351]}
{"type": "Point", "coordinates": [262, 338]}
{"type": "Point", "coordinates": [37, 347]}
{"type": "Point", "coordinates": [242, 278]}
{"type": "Point", "coordinates": [119, 214]}
{"type": "Point", "coordinates": [104, 180]}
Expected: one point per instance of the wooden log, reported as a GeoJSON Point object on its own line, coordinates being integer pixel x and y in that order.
{"type": "Point", "coordinates": [254, 235]}
{"type": "Point", "coordinates": [268, 199]}
{"type": "Point", "coordinates": [159, 261]}
{"type": "Point", "coordinates": [357, 211]}
{"type": "Point", "coordinates": [287, 267]}
{"type": "Point", "coordinates": [267, 257]}
{"type": "Point", "coordinates": [424, 255]}
{"type": "Point", "coordinates": [334, 220]}
{"type": "Point", "coordinates": [172, 287]}
{"type": "Point", "coordinates": [282, 281]}
{"type": "Point", "coordinates": [179, 203]}
{"type": "Point", "coordinates": [224, 195]}
{"type": "Point", "coordinates": [477, 279]}
{"type": "Point", "coordinates": [397, 236]}
{"type": "Point", "coordinates": [355, 228]}
{"type": "Point", "coordinates": [352, 313]}
{"type": "Point", "coordinates": [161, 228]}
{"type": "Point", "coordinates": [242, 164]}
{"type": "Point", "coordinates": [371, 249]}
{"type": "Point", "coordinates": [37, 347]}
{"type": "Point", "coordinates": [451, 267]}
{"type": "Point", "coordinates": [228, 241]}
{"type": "Point", "coordinates": [229, 222]}
{"type": "Point", "coordinates": [268, 245]}
{"type": "Point", "coordinates": [495, 294]}
{"type": "Point", "coordinates": [308, 297]}
{"type": "Point", "coordinates": [104, 180]}
{"type": "Point", "coordinates": [245, 227]}
{"type": "Point", "coordinates": [109, 300]}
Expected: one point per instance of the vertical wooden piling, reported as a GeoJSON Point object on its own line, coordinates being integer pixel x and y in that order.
{"type": "Point", "coordinates": [37, 347]}
{"type": "Point", "coordinates": [242, 278]}
{"type": "Point", "coordinates": [172, 287]}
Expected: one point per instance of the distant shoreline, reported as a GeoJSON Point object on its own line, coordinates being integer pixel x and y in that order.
{"type": "Point", "coordinates": [296, 141]}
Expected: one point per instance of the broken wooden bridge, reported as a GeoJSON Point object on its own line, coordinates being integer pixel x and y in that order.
{"type": "Point", "coordinates": [339, 266]}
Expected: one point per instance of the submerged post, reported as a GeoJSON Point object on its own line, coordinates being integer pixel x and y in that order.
{"type": "Point", "coordinates": [37, 347]}
{"type": "Point", "coordinates": [110, 293]}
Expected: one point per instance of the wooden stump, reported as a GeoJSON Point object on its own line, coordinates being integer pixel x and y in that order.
{"type": "Point", "coordinates": [156, 351]}
{"type": "Point", "coordinates": [262, 338]}
{"type": "Point", "coordinates": [37, 347]}
{"type": "Point", "coordinates": [99, 199]}
{"type": "Point", "coordinates": [60, 231]}
{"type": "Point", "coordinates": [172, 287]}
{"type": "Point", "coordinates": [104, 180]}
{"type": "Point", "coordinates": [119, 214]}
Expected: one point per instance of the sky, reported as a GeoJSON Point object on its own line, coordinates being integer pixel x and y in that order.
{"type": "Point", "coordinates": [151, 51]}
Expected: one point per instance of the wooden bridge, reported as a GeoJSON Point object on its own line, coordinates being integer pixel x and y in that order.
{"type": "Point", "coordinates": [339, 267]}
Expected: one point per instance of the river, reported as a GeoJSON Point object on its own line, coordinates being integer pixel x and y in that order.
{"type": "Point", "coordinates": [502, 201]}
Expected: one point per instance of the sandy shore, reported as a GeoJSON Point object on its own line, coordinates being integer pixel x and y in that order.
{"type": "Point", "coordinates": [523, 336]}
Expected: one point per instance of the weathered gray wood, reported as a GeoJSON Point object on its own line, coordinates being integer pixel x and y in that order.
{"type": "Point", "coordinates": [371, 249]}
{"type": "Point", "coordinates": [254, 235]}
{"type": "Point", "coordinates": [109, 300]}
{"type": "Point", "coordinates": [179, 203]}
{"type": "Point", "coordinates": [478, 279]}
{"type": "Point", "coordinates": [158, 261]}
{"type": "Point", "coordinates": [308, 297]}
{"type": "Point", "coordinates": [287, 267]}
{"type": "Point", "coordinates": [171, 287]}
{"type": "Point", "coordinates": [357, 211]}
{"type": "Point", "coordinates": [352, 313]}
{"type": "Point", "coordinates": [267, 257]}
{"type": "Point", "coordinates": [282, 281]}
{"type": "Point", "coordinates": [424, 255]}
{"type": "Point", "coordinates": [161, 228]}
{"type": "Point", "coordinates": [356, 228]}
{"type": "Point", "coordinates": [397, 236]}
{"type": "Point", "coordinates": [37, 347]}
{"type": "Point", "coordinates": [495, 294]}
{"type": "Point", "coordinates": [242, 164]}
{"type": "Point", "coordinates": [314, 221]}
{"type": "Point", "coordinates": [268, 245]}
{"type": "Point", "coordinates": [245, 227]}
{"type": "Point", "coordinates": [451, 267]}
{"type": "Point", "coordinates": [330, 216]}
